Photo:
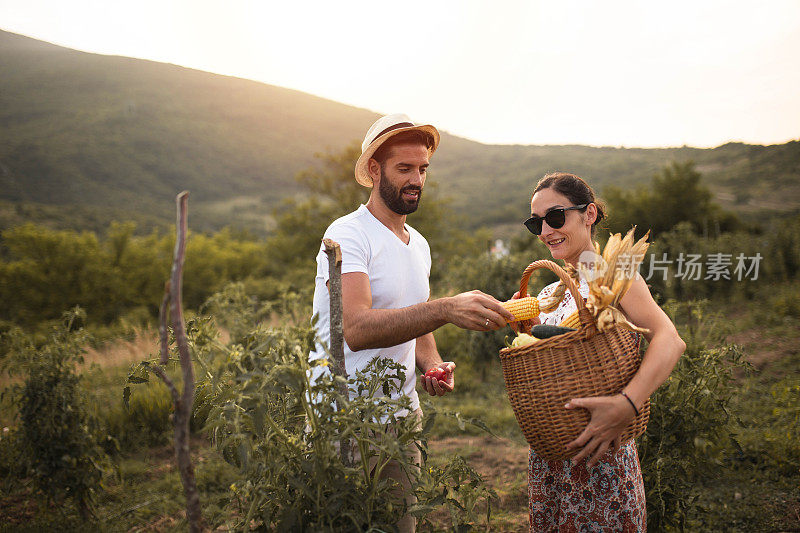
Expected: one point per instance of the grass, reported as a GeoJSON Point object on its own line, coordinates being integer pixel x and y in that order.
{"type": "Point", "coordinates": [123, 352]}
{"type": "Point", "coordinates": [758, 488]}
{"type": "Point", "coordinates": [145, 494]}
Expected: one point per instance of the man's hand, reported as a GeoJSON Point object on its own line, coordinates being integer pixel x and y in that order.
{"type": "Point", "coordinates": [439, 386]}
{"type": "Point", "coordinates": [477, 311]}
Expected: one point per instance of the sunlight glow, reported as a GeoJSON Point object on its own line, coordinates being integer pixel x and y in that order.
{"type": "Point", "coordinates": [601, 73]}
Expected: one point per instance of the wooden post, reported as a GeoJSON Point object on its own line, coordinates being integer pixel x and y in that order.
{"type": "Point", "coordinates": [334, 253]}
{"type": "Point", "coordinates": [171, 304]}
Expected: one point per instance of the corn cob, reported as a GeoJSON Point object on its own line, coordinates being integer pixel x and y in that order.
{"type": "Point", "coordinates": [572, 321]}
{"type": "Point", "coordinates": [522, 308]}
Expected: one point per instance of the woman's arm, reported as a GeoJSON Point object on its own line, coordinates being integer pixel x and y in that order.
{"type": "Point", "coordinates": [665, 346]}
{"type": "Point", "coordinates": [610, 415]}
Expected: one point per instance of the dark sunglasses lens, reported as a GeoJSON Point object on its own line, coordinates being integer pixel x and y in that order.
{"type": "Point", "coordinates": [534, 225]}
{"type": "Point", "coordinates": [555, 218]}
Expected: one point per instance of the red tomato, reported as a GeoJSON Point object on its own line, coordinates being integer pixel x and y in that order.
{"type": "Point", "coordinates": [436, 373]}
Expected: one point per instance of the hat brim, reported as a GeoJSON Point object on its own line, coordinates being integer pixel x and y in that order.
{"type": "Point", "coordinates": [362, 165]}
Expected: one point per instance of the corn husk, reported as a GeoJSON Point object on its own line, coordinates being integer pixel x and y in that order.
{"type": "Point", "coordinates": [620, 260]}
{"type": "Point", "coordinates": [548, 304]}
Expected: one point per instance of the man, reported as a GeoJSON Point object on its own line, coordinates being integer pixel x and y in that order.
{"type": "Point", "coordinates": [385, 270]}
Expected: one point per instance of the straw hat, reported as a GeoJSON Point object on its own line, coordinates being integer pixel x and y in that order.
{"type": "Point", "coordinates": [381, 130]}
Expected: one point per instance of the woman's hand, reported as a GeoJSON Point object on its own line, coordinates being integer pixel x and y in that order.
{"type": "Point", "coordinates": [523, 326]}
{"type": "Point", "coordinates": [610, 415]}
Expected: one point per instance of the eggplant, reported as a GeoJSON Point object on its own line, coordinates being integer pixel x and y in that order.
{"type": "Point", "coordinates": [545, 331]}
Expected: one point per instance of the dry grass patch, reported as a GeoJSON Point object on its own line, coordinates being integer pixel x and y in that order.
{"type": "Point", "coordinates": [121, 352]}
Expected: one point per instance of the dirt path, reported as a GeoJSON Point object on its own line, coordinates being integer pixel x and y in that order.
{"type": "Point", "coordinates": [504, 466]}
{"type": "Point", "coordinates": [761, 350]}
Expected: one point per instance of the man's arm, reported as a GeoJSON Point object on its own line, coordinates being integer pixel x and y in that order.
{"type": "Point", "coordinates": [427, 355]}
{"type": "Point", "coordinates": [365, 327]}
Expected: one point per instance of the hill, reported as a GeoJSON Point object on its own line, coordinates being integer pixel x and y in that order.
{"type": "Point", "coordinates": [119, 137]}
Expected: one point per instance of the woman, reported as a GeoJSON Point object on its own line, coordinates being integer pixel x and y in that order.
{"type": "Point", "coordinates": [601, 488]}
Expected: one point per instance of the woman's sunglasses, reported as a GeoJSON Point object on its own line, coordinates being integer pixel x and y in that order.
{"type": "Point", "coordinates": [555, 218]}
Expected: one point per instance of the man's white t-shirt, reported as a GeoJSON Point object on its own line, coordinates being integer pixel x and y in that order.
{"type": "Point", "coordinates": [398, 277]}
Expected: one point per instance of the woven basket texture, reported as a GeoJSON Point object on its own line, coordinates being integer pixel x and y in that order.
{"type": "Point", "coordinates": [541, 377]}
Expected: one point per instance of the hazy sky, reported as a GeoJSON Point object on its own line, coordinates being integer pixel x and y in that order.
{"type": "Point", "coordinates": [632, 73]}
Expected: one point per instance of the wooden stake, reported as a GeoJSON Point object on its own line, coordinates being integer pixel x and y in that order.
{"type": "Point", "coordinates": [334, 253]}
{"type": "Point", "coordinates": [183, 403]}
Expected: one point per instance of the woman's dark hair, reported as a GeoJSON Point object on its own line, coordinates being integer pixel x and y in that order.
{"type": "Point", "coordinates": [575, 189]}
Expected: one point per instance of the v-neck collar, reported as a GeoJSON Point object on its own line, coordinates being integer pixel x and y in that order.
{"type": "Point", "coordinates": [385, 227]}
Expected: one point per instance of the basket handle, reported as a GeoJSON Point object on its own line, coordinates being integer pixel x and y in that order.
{"type": "Point", "coordinates": [583, 312]}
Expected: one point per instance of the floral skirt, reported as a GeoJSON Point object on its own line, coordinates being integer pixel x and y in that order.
{"type": "Point", "coordinates": [571, 498]}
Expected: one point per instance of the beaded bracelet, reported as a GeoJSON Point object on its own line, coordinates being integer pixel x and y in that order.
{"type": "Point", "coordinates": [630, 402]}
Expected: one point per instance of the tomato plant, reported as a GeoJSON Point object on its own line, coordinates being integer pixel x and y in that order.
{"type": "Point", "coordinates": [282, 429]}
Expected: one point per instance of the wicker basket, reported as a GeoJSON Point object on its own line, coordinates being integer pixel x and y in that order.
{"type": "Point", "coordinates": [541, 377]}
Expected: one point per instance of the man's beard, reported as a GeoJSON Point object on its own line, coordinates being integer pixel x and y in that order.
{"type": "Point", "coordinates": [393, 197]}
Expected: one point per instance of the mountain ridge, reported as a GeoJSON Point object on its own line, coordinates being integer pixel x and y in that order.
{"type": "Point", "coordinates": [117, 132]}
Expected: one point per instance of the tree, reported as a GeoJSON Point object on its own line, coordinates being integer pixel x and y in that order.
{"type": "Point", "coordinates": [675, 195]}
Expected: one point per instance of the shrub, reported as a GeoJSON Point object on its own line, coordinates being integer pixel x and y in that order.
{"type": "Point", "coordinates": [771, 440]}
{"type": "Point", "coordinates": [784, 305]}
{"type": "Point", "coordinates": [785, 424]}
{"type": "Point", "coordinates": [57, 437]}
{"type": "Point", "coordinates": [691, 425]}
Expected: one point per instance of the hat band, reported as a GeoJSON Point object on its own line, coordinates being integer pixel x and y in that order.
{"type": "Point", "coordinates": [394, 127]}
